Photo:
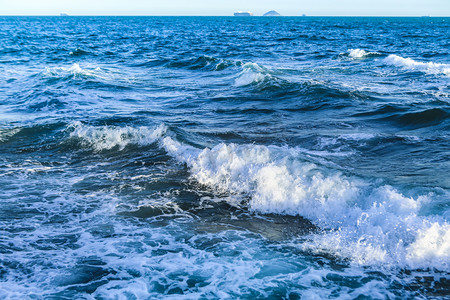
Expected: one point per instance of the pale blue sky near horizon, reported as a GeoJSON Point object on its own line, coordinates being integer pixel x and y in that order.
{"type": "Point", "coordinates": [226, 8]}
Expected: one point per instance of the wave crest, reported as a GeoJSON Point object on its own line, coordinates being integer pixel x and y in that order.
{"type": "Point", "coordinates": [109, 137]}
{"type": "Point", "coordinates": [425, 67]}
{"type": "Point", "coordinates": [366, 222]}
{"type": "Point", "coordinates": [74, 70]}
{"type": "Point", "coordinates": [7, 133]}
{"type": "Point", "coordinates": [252, 73]}
{"type": "Point", "coordinates": [359, 53]}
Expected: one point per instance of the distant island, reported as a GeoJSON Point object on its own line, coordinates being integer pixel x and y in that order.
{"type": "Point", "coordinates": [243, 14]}
{"type": "Point", "coordinates": [64, 14]}
{"type": "Point", "coordinates": [272, 13]}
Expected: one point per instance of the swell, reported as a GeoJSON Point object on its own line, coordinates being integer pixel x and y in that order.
{"type": "Point", "coordinates": [204, 62]}
{"type": "Point", "coordinates": [384, 109]}
{"type": "Point", "coordinates": [274, 84]}
{"type": "Point", "coordinates": [252, 79]}
{"type": "Point", "coordinates": [404, 116]}
{"type": "Point", "coordinates": [91, 76]}
{"type": "Point", "coordinates": [194, 63]}
{"type": "Point", "coordinates": [31, 137]}
{"type": "Point", "coordinates": [425, 118]}
{"type": "Point", "coordinates": [260, 80]}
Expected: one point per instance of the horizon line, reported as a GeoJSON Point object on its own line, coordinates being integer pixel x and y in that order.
{"type": "Point", "coordinates": [247, 17]}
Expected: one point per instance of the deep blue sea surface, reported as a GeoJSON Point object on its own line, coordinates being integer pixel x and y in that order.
{"type": "Point", "coordinates": [223, 158]}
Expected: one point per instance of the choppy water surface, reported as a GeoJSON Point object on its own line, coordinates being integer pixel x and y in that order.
{"type": "Point", "coordinates": [158, 157]}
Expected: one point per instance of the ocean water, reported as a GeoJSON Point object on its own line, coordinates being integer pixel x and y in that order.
{"type": "Point", "coordinates": [223, 158]}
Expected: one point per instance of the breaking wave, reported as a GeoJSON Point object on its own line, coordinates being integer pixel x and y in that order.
{"type": "Point", "coordinates": [89, 72]}
{"type": "Point", "coordinates": [109, 137]}
{"type": "Point", "coordinates": [425, 67]}
{"type": "Point", "coordinates": [252, 73]}
{"type": "Point", "coordinates": [74, 71]}
{"type": "Point", "coordinates": [359, 53]}
{"type": "Point", "coordinates": [366, 222]}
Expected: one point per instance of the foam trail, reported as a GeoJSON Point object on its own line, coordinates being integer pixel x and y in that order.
{"type": "Point", "coordinates": [410, 64]}
{"type": "Point", "coordinates": [371, 224]}
{"type": "Point", "coordinates": [108, 137]}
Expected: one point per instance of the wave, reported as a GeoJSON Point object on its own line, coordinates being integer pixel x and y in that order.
{"type": "Point", "coordinates": [36, 135]}
{"type": "Point", "coordinates": [109, 137]}
{"type": "Point", "coordinates": [424, 118]}
{"type": "Point", "coordinates": [78, 73]}
{"type": "Point", "coordinates": [403, 116]}
{"type": "Point", "coordinates": [277, 85]}
{"type": "Point", "coordinates": [7, 133]}
{"type": "Point", "coordinates": [203, 62]}
{"type": "Point", "coordinates": [74, 71]}
{"type": "Point", "coordinates": [366, 222]}
{"type": "Point", "coordinates": [252, 73]}
{"type": "Point", "coordinates": [425, 67]}
{"type": "Point", "coordinates": [79, 52]}
{"type": "Point", "coordinates": [359, 53]}
{"type": "Point", "coordinates": [264, 79]}
{"type": "Point", "coordinates": [362, 220]}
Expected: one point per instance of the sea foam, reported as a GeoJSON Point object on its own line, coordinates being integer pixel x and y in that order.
{"type": "Point", "coordinates": [359, 53]}
{"type": "Point", "coordinates": [107, 137]}
{"type": "Point", "coordinates": [410, 64]}
{"type": "Point", "coordinates": [251, 73]}
{"type": "Point", "coordinates": [367, 222]}
{"type": "Point", "coordinates": [74, 70]}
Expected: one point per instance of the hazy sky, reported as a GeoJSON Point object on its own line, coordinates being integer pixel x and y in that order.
{"type": "Point", "coordinates": [227, 7]}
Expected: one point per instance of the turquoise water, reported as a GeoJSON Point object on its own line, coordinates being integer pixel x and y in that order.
{"type": "Point", "coordinates": [216, 157]}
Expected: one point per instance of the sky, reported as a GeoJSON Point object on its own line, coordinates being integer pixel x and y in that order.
{"type": "Point", "coordinates": [227, 7]}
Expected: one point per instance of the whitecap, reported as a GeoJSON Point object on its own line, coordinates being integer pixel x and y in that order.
{"type": "Point", "coordinates": [425, 67]}
{"type": "Point", "coordinates": [74, 70]}
{"type": "Point", "coordinates": [365, 221]}
{"type": "Point", "coordinates": [107, 137]}
{"type": "Point", "coordinates": [359, 53]}
{"type": "Point", "coordinates": [251, 73]}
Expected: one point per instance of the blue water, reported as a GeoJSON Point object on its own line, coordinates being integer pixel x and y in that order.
{"type": "Point", "coordinates": [216, 157]}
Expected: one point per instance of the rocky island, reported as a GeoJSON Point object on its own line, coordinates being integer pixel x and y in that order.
{"type": "Point", "coordinates": [272, 13]}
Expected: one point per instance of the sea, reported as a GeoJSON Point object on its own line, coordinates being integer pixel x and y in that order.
{"type": "Point", "coordinates": [224, 158]}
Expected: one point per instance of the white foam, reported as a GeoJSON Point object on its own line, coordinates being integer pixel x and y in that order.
{"type": "Point", "coordinates": [410, 64]}
{"type": "Point", "coordinates": [359, 53]}
{"type": "Point", "coordinates": [107, 137]}
{"type": "Point", "coordinates": [431, 247]}
{"type": "Point", "coordinates": [369, 223]}
{"type": "Point", "coordinates": [74, 70]}
{"type": "Point", "coordinates": [144, 259]}
{"type": "Point", "coordinates": [251, 73]}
